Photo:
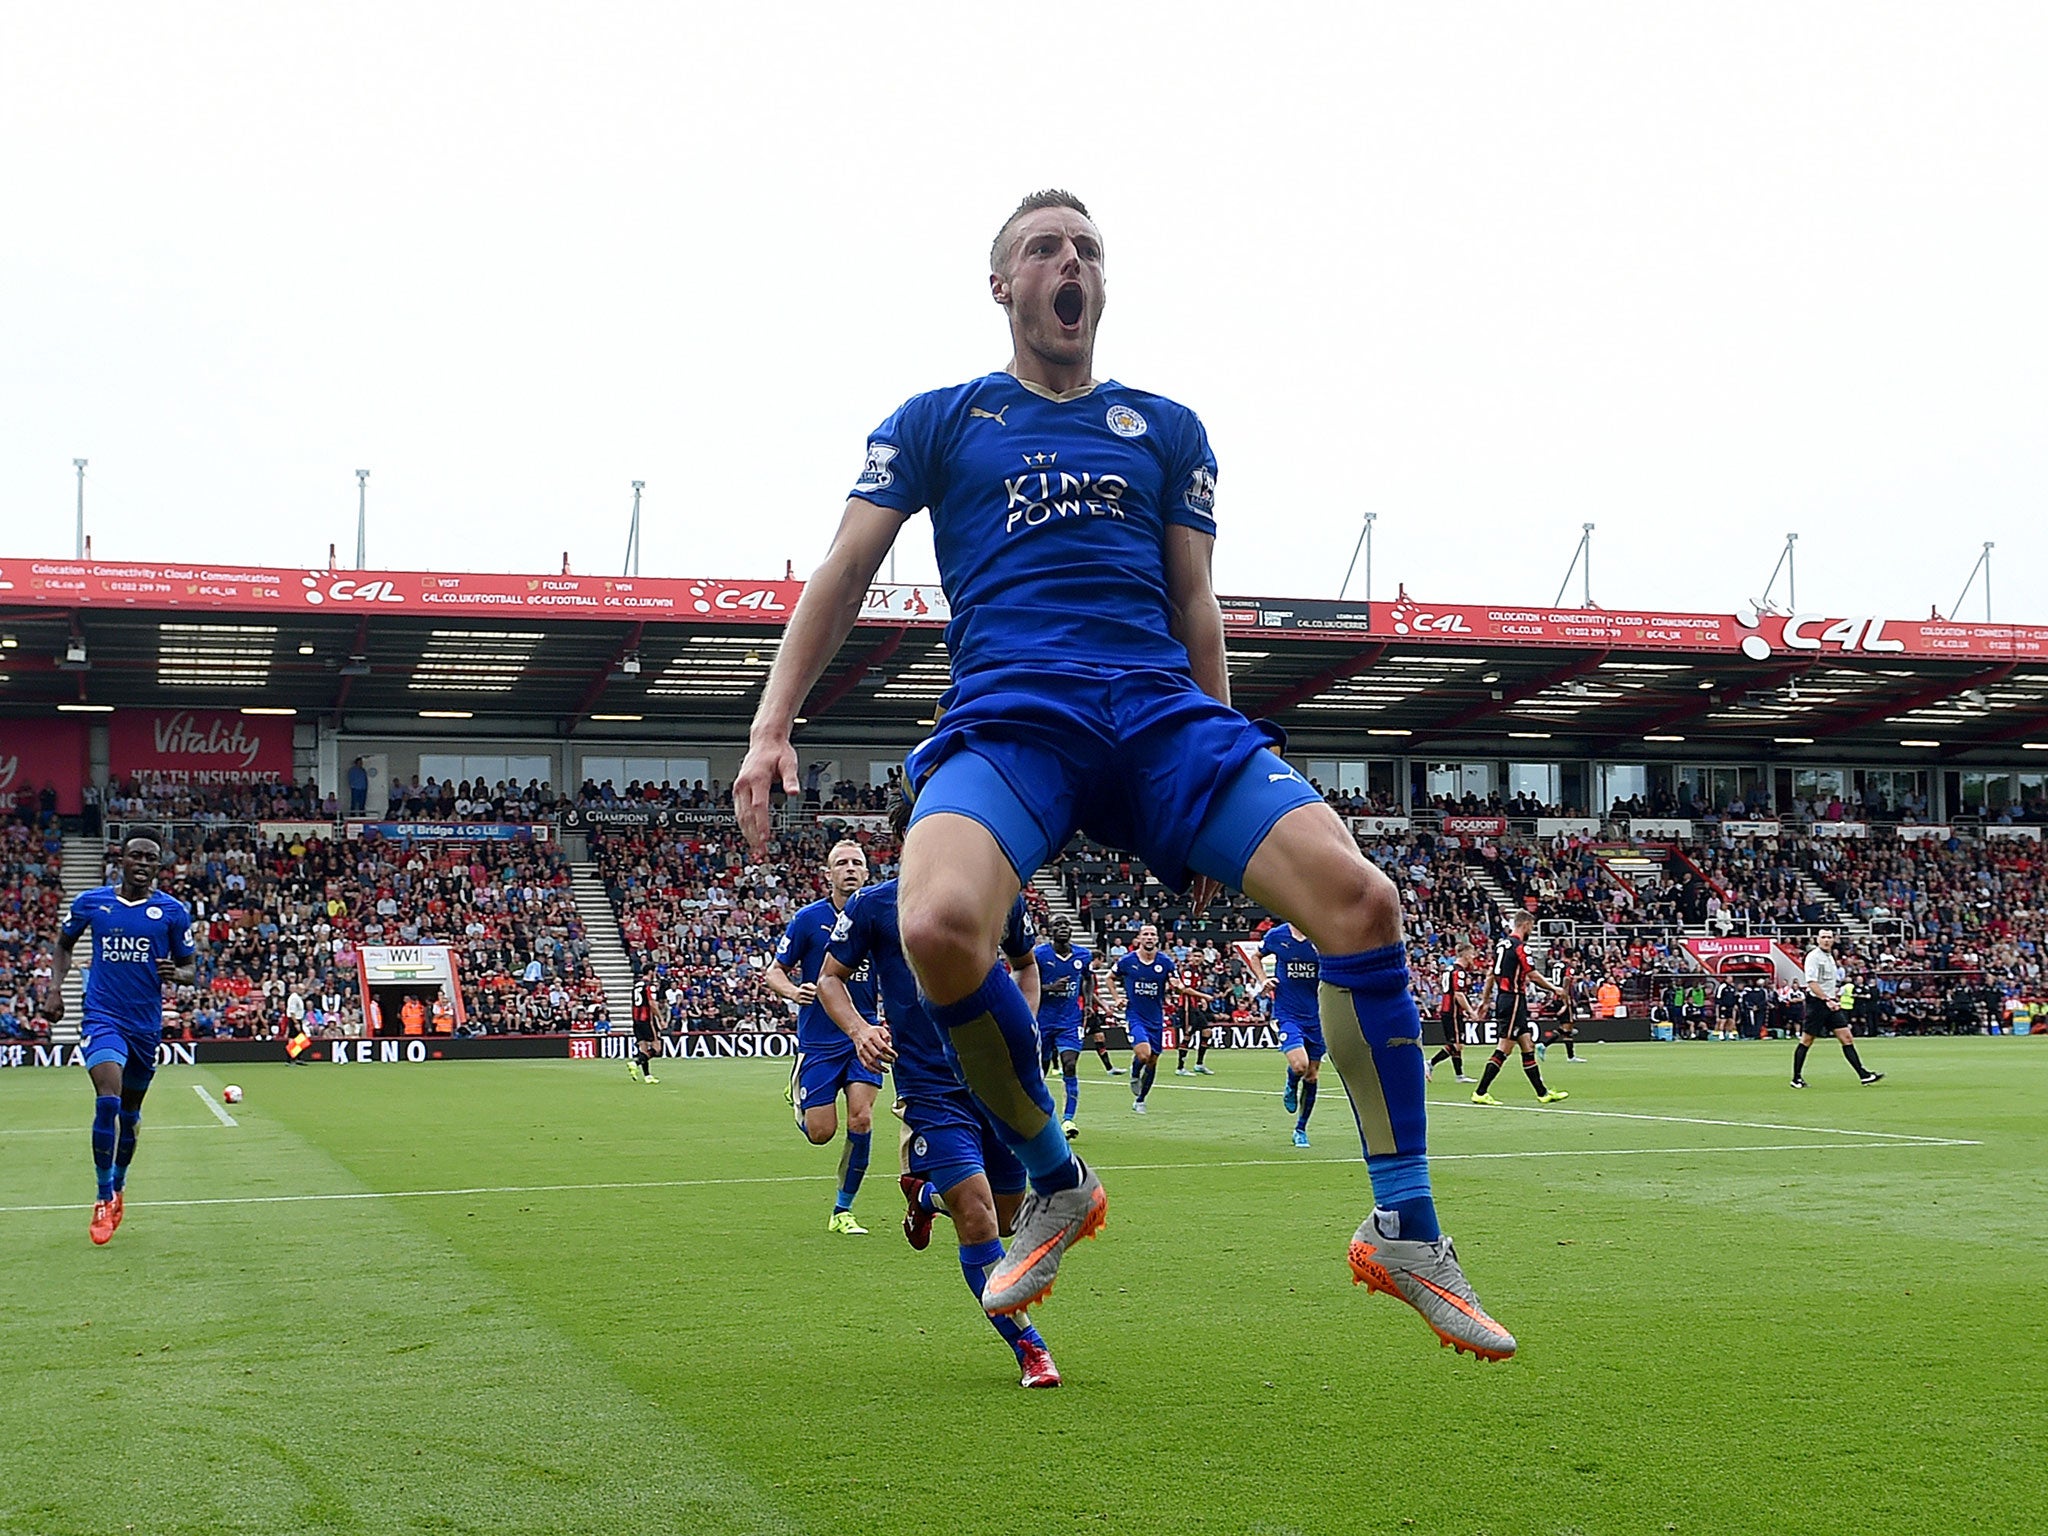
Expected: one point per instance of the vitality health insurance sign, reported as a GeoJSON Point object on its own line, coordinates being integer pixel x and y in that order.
{"type": "Point", "coordinates": [198, 746]}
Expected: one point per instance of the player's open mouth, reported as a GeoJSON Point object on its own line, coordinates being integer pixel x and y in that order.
{"type": "Point", "coordinates": [1068, 303]}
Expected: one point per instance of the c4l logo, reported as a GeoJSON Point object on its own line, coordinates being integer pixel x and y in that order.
{"type": "Point", "coordinates": [994, 416]}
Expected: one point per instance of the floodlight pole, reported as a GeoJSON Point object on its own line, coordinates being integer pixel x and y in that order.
{"type": "Point", "coordinates": [79, 465]}
{"type": "Point", "coordinates": [1364, 543]}
{"type": "Point", "coordinates": [633, 536]}
{"type": "Point", "coordinates": [1983, 564]}
{"type": "Point", "coordinates": [1790, 566]}
{"type": "Point", "coordinates": [362, 519]}
{"type": "Point", "coordinates": [1582, 557]}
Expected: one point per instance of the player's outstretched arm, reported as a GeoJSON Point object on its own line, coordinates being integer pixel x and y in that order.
{"type": "Point", "coordinates": [823, 619]}
{"type": "Point", "coordinates": [1197, 618]}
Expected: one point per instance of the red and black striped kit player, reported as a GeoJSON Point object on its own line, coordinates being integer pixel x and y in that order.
{"type": "Point", "coordinates": [1507, 985]}
{"type": "Point", "coordinates": [1451, 1013]}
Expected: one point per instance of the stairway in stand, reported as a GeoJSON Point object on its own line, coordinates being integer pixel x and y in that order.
{"type": "Point", "coordinates": [1504, 903]}
{"type": "Point", "coordinates": [1048, 886]}
{"type": "Point", "coordinates": [84, 869]}
{"type": "Point", "coordinates": [1854, 930]}
{"type": "Point", "coordinates": [608, 957]}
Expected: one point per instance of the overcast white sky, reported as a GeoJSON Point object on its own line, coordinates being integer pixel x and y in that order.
{"type": "Point", "coordinates": [1697, 274]}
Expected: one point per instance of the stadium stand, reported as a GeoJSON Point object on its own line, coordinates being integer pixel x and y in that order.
{"type": "Point", "coordinates": [1945, 933]}
{"type": "Point", "coordinates": [281, 919]}
{"type": "Point", "coordinates": [31, 905]}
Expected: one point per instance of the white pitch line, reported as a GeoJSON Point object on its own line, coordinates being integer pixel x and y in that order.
{"type": "Point", "coordinates": [814, 1178]}
{"type": "Point", "coordinates": [219, 1111]}
{"type": "Point", "coordinates": [1619, 1114]}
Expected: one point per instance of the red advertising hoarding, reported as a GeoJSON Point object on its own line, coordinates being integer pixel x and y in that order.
{"type": "Point", "coordinates": [39, 753]}
{"type": "Point", "coordinates": [1474, 826]}
{"type": "Point", "coordinates": [463, 596]}
{"type": "Point", "coordinates": [198, 746]}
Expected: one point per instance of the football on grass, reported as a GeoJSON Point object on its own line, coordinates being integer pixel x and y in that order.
{"type": "Point", "coordinates": [231, 1094]}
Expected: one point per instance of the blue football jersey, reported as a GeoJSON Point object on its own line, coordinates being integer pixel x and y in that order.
{"type": "Point", "coordinates": [1144, 984]}
{"type": "Point", "coordinates": [1048, 516]}
{"type": "Point", "coordinates": [1297, 972]}
{"type": "Point", "coordinates": [128, 939]}
{"type": "Point", "coordinates": [1059, 985]}
{"type": "Point", "coordinates": [802, 953]}
{"type": "Point", "coordinates": [866, 938]}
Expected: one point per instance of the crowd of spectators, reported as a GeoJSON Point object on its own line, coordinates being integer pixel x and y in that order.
{"type": "Point", "coordinates": [701, 916]}
{"type": "Point", "coordinates": [818, 793]}
{"type": "Point", "coordinates": [283, 918]}
{"type": "Point", "coordinates": [281, 923]}
{"type": "Point", "coordinates": [31, 906]}
{"type": "Point", "coordinates": [507, 800]}
{"type": "Point", "coordinates": [175, 800]}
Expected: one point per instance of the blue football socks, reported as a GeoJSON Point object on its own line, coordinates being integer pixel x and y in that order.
{"type": "Point", "coordinates": [124, 1145]}
{"type": "Point", "coordinates": [106, 1116]}
{"type": "Point", "coordinates": [1071, 1081]}
{"type": "Point", "coordinates": [853, 1167]}
{"type": "Point", "coordinates": [976, 1260]}
{"type": "Point", "coordinates": [1375, 1039]}
{"type": "Point", "coordinates": [995, 1040]}
{"type": "Point", "coordinates": [1308, 1103]}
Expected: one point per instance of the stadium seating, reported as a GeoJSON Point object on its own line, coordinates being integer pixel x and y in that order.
{"type": "Point", "coordinates": [1928, 922]}
{"type": "Point", "coordinates": [31, 906]}
{"type": "Point", "coordinates": [283, 918]}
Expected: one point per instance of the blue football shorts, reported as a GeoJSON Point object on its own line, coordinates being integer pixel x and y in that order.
{"type": "Point", "coordinates": [1144, 1032]}
{"type": "Point", "coordinates": [108, 1040]}
{"type": "Point", "coordinates": [1141, 760]}
{"type": "Point", "coordinates": [1060, 1034]}
{"type": "Point", "coordinates": [952, 1139]}
{"type": "Point", "coordinates": [1302, 1035]}
{"type": "Point", "coordinates": [816, 1077]}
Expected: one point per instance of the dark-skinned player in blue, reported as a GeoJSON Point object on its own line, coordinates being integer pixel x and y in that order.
{"type": "Point", "coordinates": [959, 1166]}
{"type": "Point", "coordinates": [825, 1065]}
{"type": "Point", "coordinates": [1297, 971]}
{"type": "Point", "coordinates": [141, 943]}
{"type": "Point", "coordinates": [1066, 978]}
{"type": "Point", "coordinates": [1146, 976]}
{"type": "Point", "coordinates": [1074, 523]}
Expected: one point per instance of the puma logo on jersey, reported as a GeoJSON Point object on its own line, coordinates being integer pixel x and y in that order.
{"type": "Point", "coordinates": [1276, 778]}
{"type": "Point", "coordinates": [994, 416]}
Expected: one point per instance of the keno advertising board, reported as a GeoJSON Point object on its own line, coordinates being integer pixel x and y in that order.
{"type": "Point", "coordinates": [198, 746]}
{"type": "Point", "coordinates": [36, 753]}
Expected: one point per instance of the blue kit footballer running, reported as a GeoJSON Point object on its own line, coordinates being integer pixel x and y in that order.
{"type": "Point", "coordinates": [1066, 977]}
{"type": "Point", "coordinates": [1297, 972]}
{"type": "Point", "coordinates": [825, 1065]}
{"type": "Point", "coordinates": [958, 1165]}
{"type": "Point", "coordinates": [141, 943]}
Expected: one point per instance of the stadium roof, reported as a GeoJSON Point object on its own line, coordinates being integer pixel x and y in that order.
{"type": "Point", "coordinates": [686, 658]}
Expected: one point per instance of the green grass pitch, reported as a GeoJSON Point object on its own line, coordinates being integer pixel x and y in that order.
{"type": "Point", "coordinates": [540, 1297]}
